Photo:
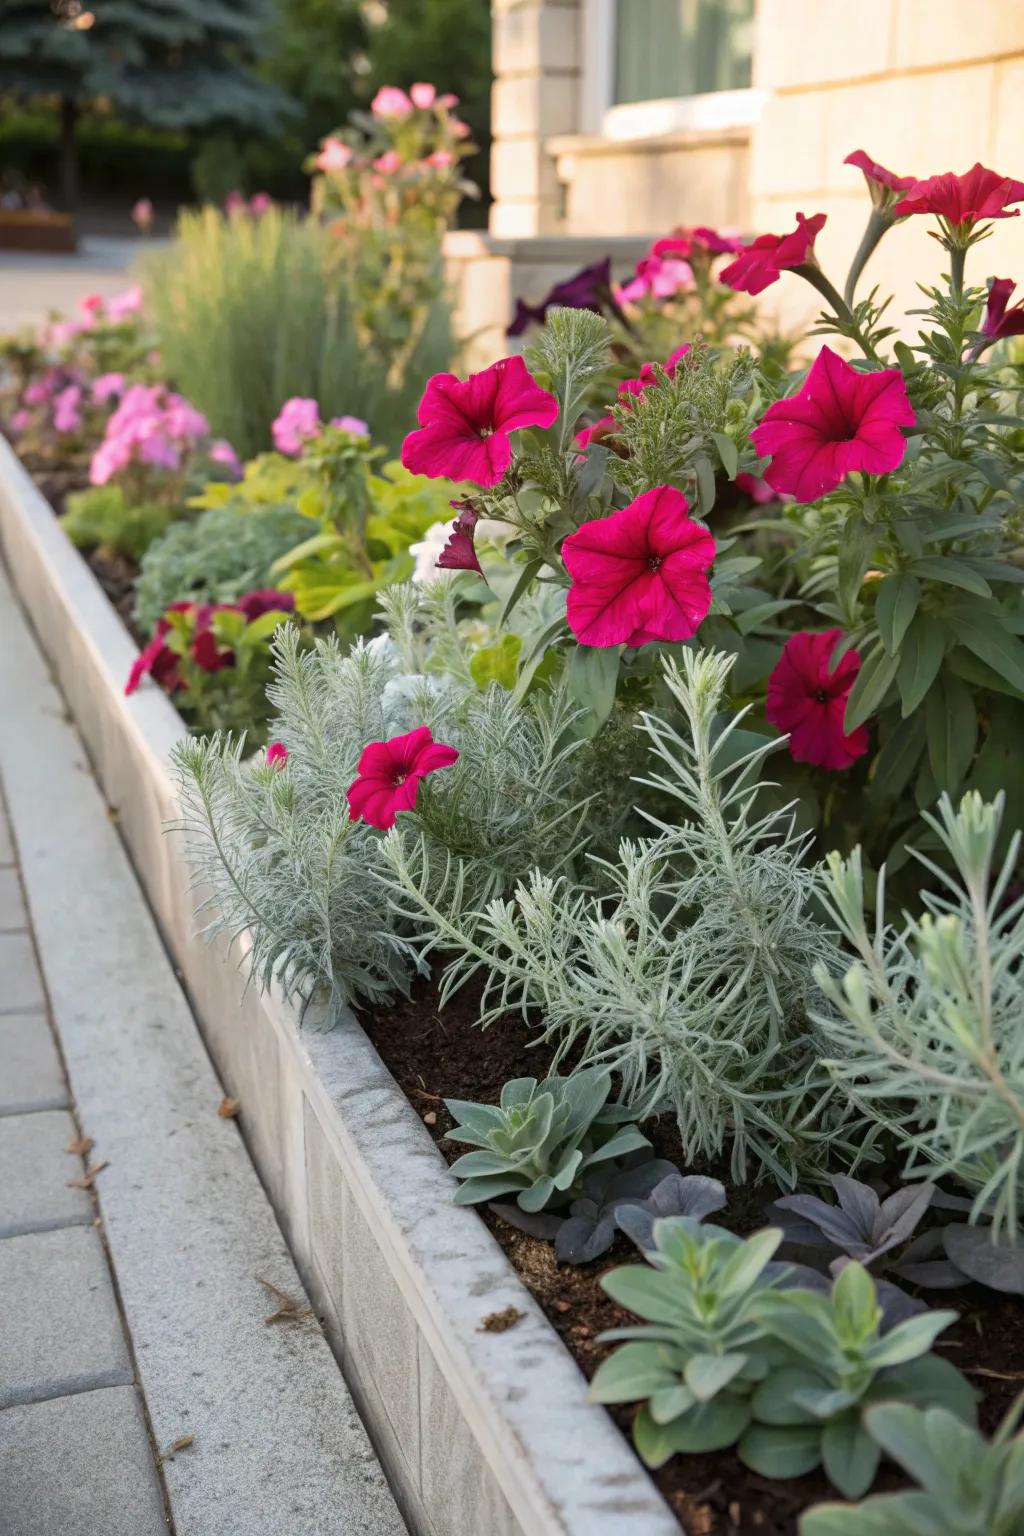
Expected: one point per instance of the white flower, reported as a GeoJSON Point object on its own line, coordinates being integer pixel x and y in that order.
{"type": "Point", "coordinates": [426, 552]}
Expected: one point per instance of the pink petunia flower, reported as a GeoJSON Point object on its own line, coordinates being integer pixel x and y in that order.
{"type": "Point", "coordinates": [235, 204]}
{"type": "Point", "coordinates": [684, 243]}
{"type": "Point", "coordinates": [121, 306]}
{"type": "Point", "coordinates": [448, 101]}
{"type": "Point", "coordinates": [388, 163]}
{"type": "Point", "coordinates": [596, 432]}
{"type": "Point", "coordinates": [464, 426]}
{"type": "Point", "coordinates": [660, 278]}
{"type": "Point", "coordinates": [260, 203]}
{"type": "Point", "coordinates": [978, 194]}
{"type": "Point", "coordinates": [840, 421]}
{"type": "Point", "coordinates": [440, 160]}
{"type": "Point", "coordinates": [91, 304]}
{"type": "Point", "coordinates": [390, 774]}
{"type": "Point", "coordinates": [1000, 321]}
{"type": "Point", "coordinates": [297, 421]}
{"type": "Point", "coordinates": [763, 263]}
{"type": "Point", "coordinates": [277, 754]}
{"type": "Point", "coordinates": [142, 214]}
{"type": "Point", "coordinates": [221, 452]}
{"type": "Point", "coordinates": [67, 412]}
{"type": "Point", "coordinates": [390, 102]}
{"type": "Point", "coordinates": [647, 375]}
{"type": "Point", "coordinates": [353, 424]}
{"type": "Point", "coordinates": [334, 156]}
{"type": "Point", "coordinates": [423, 95]}
{"type": "Point", "coordinates": [757, 489]}
{"type": "Point", "coordinates": [640, 574]}
{"type": "Point", "coordinates": [459, 129]}
{"type": "Point", "coordinates": [107, 387]}
{"type": "Point", "coordinates": [808, 701]}
{"type": "Point", "coordinates": [21, 421]}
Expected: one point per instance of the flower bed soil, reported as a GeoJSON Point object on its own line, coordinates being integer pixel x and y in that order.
{"type": "Point", "coordinates": [437, 1054]}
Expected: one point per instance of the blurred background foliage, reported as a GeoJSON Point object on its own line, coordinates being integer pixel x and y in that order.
{"type": "Point", "coordinates": [247, 103]}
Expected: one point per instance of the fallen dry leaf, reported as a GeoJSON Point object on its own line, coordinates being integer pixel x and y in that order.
{"type": "Point", "coordinates": [288, 1309]}
{"type": "Point", "coordinates": [180, 1444]}
{"type": "Point", "coordinates": [113, 814]}
{"type": "Point", "coordinates": [88, 1179]}
{"type": "Point", "coordinates": [501, 1322]}
{"type": "Point", "coordinates": [80, 1146]}
{"type": "Point", "coordinates": [228, 1108]}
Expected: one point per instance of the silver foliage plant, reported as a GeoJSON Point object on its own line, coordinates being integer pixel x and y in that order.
{"type": "Point", "coordinates": [924, 1028]}
{"type": "Point", "coordinates": [685, 965]}
{"type": "Point", "coordinates": [276, 853]}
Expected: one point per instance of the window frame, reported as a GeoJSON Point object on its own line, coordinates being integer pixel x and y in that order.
{"type": "Point", "coordinates": [600, 115]}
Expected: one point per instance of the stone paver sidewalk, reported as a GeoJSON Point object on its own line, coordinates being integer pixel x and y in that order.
{"type": "Point", "coordinates": [141, 1389]}
{"type": "Point", "coordinates": [75, 1453]}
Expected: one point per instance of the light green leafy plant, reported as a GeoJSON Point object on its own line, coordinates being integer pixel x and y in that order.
{"type": "Point", "coordinates": [540, 1140]}
{"type": "Point", "coordinates": [811, 1411]}
{"type": "Point", "coordinates": [103, 518]}
{"type": "Point", "coordinates": [699, 1357]}
{"type": "Point", "coordinates": [924, 1029]}
{"type": "Point", "coordinates": [967, 1485]}
{"type": "Point", "coordinates": [685, 965]}
{"type": "Point", "coordinates": [215, 559]}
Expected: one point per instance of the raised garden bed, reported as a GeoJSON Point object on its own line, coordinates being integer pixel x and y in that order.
{"type": "Point", "coordinates": [481, 1428]}
{"type": "Point", "coordinates": [37, 230]}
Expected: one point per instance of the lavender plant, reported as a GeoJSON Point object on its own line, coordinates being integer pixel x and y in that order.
{"type": "Point", "coordinates": [923, 1029]}
{"type": "Point", "coordinates": [685, 965]}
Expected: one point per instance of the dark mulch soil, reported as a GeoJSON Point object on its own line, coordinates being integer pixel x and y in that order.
{"type": "Point", "coordinates": [56, 481]}
{"type": "Point", "coordinates": [117, 576]}
{"type": "Point", "coordinates": [437, 1054]}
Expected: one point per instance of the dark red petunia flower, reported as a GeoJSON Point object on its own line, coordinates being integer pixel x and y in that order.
{"type": "Point", "coordinates": [978, 194]}
{"type": "Point", "coordinates": [459, 553]}
{"type": "Point", "coordinates": [390, 774]}
{"type": "Point", "coordinates": [840, 421]}
{"type": "Point", "coordinates": [264, 600]}
{"type": "Point", "coordinates": [159, 662]}
{"type": "Point", "coordinates": [464, 426]}
{"type": "Point", "coordinates": [589, 288]}
{"type": "Point", "coordinates": [881, 183]}
{"type": "Point", "coordinates": [808, 702]}
{"type": "Point", "coordinates": [1000, 321]}
{"type": "Point", "coordinates": [763, 263]}
{"type": "Point", "coordinates": [206, 653]}
{"type": "Point", "coordinates": [641, 574]}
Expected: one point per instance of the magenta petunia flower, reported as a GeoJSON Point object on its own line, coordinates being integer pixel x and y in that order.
{"type": "Point", "coordinates": [840, 421]}
{"type": "Point", "coordinates": [277, 754]}
{"type": "Point", "coordinates": [977, 194]}
{"type": "Point", "coordinates": [881, 183]}
{"type": "Point", "coordinates": [684, 243]}
{"type": "Point", "coordinates": [459, 553]}
{"type": "Point", "coordinates": [464, 427]}
{"type": "Point", "coordinates": [658, 276]}
{"type": "Point", "coordinates": [264, 600]}
{"type": "Point", "coordinates": [423, 95]}
{"type": "Point", "coordinates": [221, 452]}
{"type": "Point", "coordinates": [808, 701]}
{"type": "Point", "coordinates": [67, 409]}
{"type": "Point", "coordinates": [763, 263]}
{"type": "Point", "coordinates": [1000, 321]}
{"type": "Point", "coordinates": [107, 387]}
{"type": "Point", "coordinates": [390, 774]}
{"type": "Point", "coordinates": [640, 574]}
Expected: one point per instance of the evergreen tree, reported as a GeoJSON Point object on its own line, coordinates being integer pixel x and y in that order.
{"type": "Point", "coordinates": [166, 63]}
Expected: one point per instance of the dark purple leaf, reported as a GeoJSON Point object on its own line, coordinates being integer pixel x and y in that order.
{"type": "Point", "coordinates": [924, 1262]}
{"type": "Point", "coordinates": [999, 1265]}
{"type": "Point", "coordinates": [589, 288]}
{"type": "Point", "coordinates": [676, 1195]}
{"type": "Point", "coordinates": [535, 1224]}
{"type": "Point", "coordinates": [860, 1203]}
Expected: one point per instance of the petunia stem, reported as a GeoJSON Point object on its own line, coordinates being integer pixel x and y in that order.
{"type": "Point", "coordinates": [957, 259]}
{"type": "Point", "coordinates": [817, 279]}
{"type": "Point", "coordinates": [877, 225]}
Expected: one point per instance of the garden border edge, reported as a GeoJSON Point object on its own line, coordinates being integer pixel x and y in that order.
{"type": "Point", "coordinates": [479, 1431]}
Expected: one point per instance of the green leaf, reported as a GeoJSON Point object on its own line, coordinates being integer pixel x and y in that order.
{"type": "Point", "coordinates": [497, 663]}
{"type": "Point", "coordinates": [781, 1452]}
{"type": "Point", "coordinates": [850, 1455]}
{"type": "Point", "coordinates": [880, 1516]}
{"type": "Point", "coordinates": [592, 677]}
{"type": "Point", "coordinates": [895, 764]}
{"type": "Point", "coordinates": [920, 659]}
{"type": "Point", "coordinates": [727, 452]}
{"type": "Point", "coordinates": [954, 573]}
{"type": "Point", "coordinates": [742, 1269]}
{"type": "Point", "coordinates": [855, 1304]}
{"type": "Point", "coordinates": [952, 726]}
{"type": "Point", "coordinates": [634, 1372]}
{"type": "Point", "coordinates": [856, 546]}
{"type": "Point", "coordinates": [895, 605]}
{"type": "Point", "coordinates": [707, 1427]}
{"type": "Point", "coordinates": [974, 671]}
{"type": "Point", "coordinates": [991, 644]}
{"type": "Point", "coordinates": [707, 1375]}
{"type": "Point", "coordinates": [774, 1403]}
{"type": "Point", "coordinates": [705, 484]}
{"type": "Point", "coordinates": [873, 683]}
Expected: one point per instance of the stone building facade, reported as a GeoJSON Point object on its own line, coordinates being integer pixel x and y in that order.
{"type": "Point", "coordinates": [773, 95]}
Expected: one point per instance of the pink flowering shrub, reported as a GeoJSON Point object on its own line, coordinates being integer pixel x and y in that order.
{"type": "Point", "coordinates": [388, 190]}
{"type": "Point", "coordinates": [151, 429]}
